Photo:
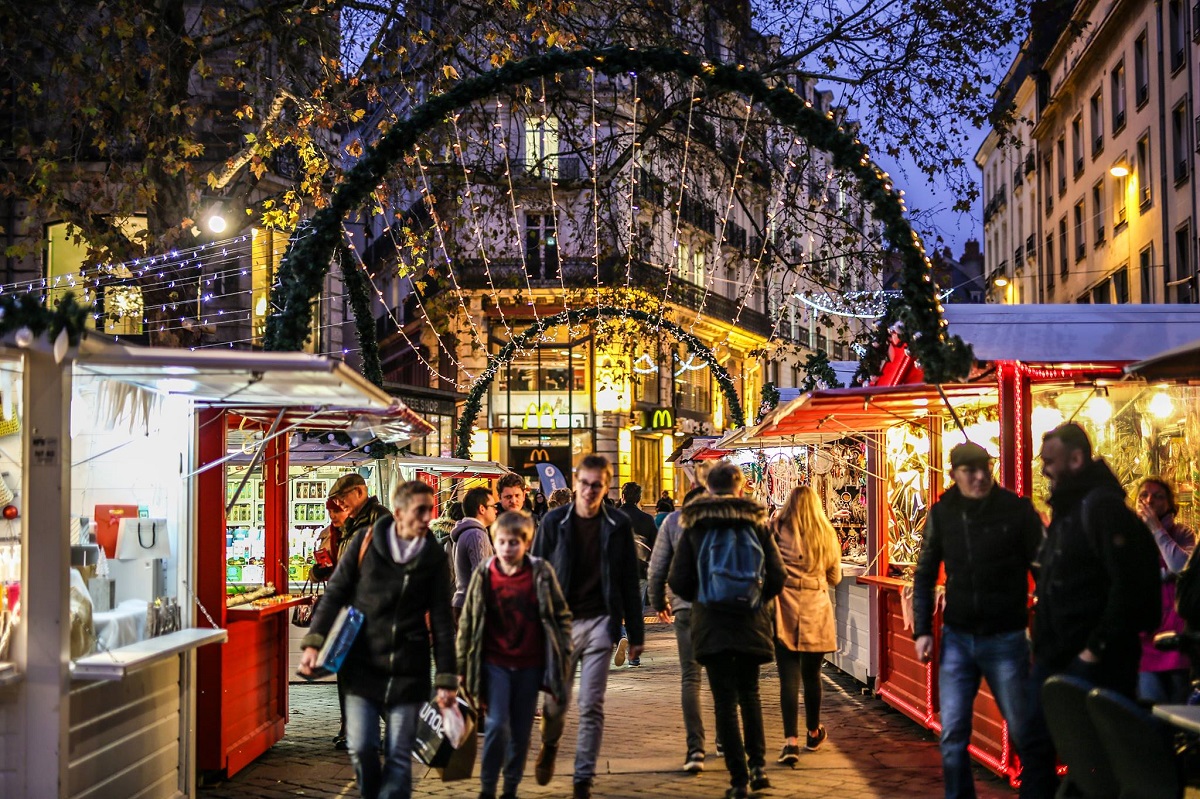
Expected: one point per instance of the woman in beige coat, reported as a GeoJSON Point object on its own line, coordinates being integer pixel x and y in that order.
{"type": "Point", "coordinates": [804, 627]}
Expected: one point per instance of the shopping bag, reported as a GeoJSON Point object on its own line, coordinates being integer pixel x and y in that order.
{"type": "Point", "coordinates": [302, 614]}
{"type": "Point", "coordinates": [435, 747]}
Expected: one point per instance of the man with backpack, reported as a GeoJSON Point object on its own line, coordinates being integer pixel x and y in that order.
{"type": "Point", "coordinates": [729, 567]}
{"type": "Point", "coordinates": [1098, 585]}
{"type": "Point", "coordinates": [591, 548]}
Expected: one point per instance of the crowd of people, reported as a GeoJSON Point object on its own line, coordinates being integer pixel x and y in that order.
{"type": "Point", "coordinates": [512, 599]}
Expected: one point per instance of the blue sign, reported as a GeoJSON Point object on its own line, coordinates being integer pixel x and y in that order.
{"type": "Point", "coordinates": [550, 477]}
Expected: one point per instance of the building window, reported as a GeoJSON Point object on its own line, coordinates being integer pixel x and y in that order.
{"type": "Point", "coordinates": [1097, 113]}
{"type": "Point", "coordinates": [1179, 140]}
{"type": "Point", "coordinates": [1185, 279]}
{"type": "Point", "coordinates": [1080, 235]}
{"type": "Point", "coordinates": [1048, 182]}
{"type": "Point", "coordinates": [1077, 144]}
{"type": "Point", "coordinates": [1062, 165]}
{"type": "Point", "coordinates": [1102, 292]}
{"type": "Point", "coordinates": [1120, 282]}
{"type": "Point", "coordinates": [1118, 96]}
{"type": "Point", "coordinates": [541, 247]}
{"type": "Point", "coordinates": [1050, 261]}
{"type": "Point", "coordinates": [541, 146]}
{"type": "Point", "coordinates": [1141, 69]}
{"type": "Point", "coordinates": [692, 387]}
{"type": "Point", "coordinates": [1098, 212]}
{"type": "Point", "coordinates": [1177, 33]}
{"type": "Point", "coordinates": [1120, 215]}
{"type": "Point", "coordinates": [1145, 265]}
{"type": "Point", "coordinates": [266, 252]}
{"type": "Point", "coordinates": [1143, 172]}
{"type": "Point", "coordinates": [1063, 249]}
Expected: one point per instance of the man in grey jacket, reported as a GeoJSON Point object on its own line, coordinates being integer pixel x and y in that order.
{"type": "Point", "coordinates": [664, 602]}
{"type": "Point", "coordinates": [472, 544]}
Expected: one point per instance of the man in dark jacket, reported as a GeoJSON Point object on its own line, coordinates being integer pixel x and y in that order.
{"type": "Point", "coordinates": [1089, 581]}
{"type": "Point", "coordinates": [472, 544]}
{"type": "Point", "coordinates": [731, 643]}
{"type": "Point", "coordinates": [987, 538]}
{"type": "Point", "coordinates": [645, 531]}
{"type": "Point", "coordinates": [362, 509]}
{"type": "Point", "coordinates": [591, 548]}
{"type": "Point", "coordinates": [394, 574]}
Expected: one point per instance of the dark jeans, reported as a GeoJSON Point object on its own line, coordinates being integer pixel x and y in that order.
{"type": "Point", "coordinates": [341, 705]}
{"type": "Point", "coordinates": [394, 779]}
{"type": "Point", "coordinates": [733, 679]}
{"type": "Point", "coordinates": [693, 722]}
{"type": "Point", "coordinates": [512, 696]}
{"type": "Point", "coordinates": [796, 669]}
{"type": "Point", "coordinates": [1002, 659]}
{"type": "Point", "coordinates": [1118, 672]}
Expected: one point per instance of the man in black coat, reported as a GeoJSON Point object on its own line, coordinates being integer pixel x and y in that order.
{"type": "Point", "coordinates": [731, 643]}
{"type": "Point", "coordinates": [645, 532]}
{"type": "Point", "coordinates": [987, 538]}
{"type": "Point", "coordinates": [1097, 581]}
{"type": "Point", "coordinates": [394, 573]}
{"type": "Point", "coordinates": [591, 548]}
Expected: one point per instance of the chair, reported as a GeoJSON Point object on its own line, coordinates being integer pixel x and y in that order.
{"type": "Point", "coordinates": [1138, 746]}
{"type": "Point", "coordinates": [1089, 774]}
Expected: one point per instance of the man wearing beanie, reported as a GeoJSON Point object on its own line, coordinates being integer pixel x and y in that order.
{"type": "Point", "coordinates": [987, 538]}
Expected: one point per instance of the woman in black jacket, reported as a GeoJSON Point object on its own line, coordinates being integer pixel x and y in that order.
{"type": "Point", "coordinates": [393, 574]}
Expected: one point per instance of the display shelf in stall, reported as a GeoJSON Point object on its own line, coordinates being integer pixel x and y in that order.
{"type": "Point", "coordinates": [115, 665]}
{"type": "Point", "coordinates": [271, 605]}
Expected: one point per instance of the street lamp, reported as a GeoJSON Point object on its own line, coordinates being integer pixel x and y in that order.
{"type": "Point", "coordinates": [216, 221]}
{"type": "Point", "coordinates": [1000, 282]}
{"type": "Point", "coordinates": [1119, 169]}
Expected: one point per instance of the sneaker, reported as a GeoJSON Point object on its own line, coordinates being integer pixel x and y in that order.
{"type": "Point", "coordinates": [583, 790]}
{"type": "Point", "coordinates": [720, 750]}
{"type": "Point", "coordinates": [758, 779]}
{"type": "Point", "coordinates": [635, 661]}
{"type": "Point", "coordinates": [789, 755]}
{"type": "Point", "coordinates": [694, 762]}
{"type": "Point", "coordinates": [813, 742]}
{"type": "Point", "coordinates": [737, 792]}
{"type": "Point", "coordinates": [543, 769]}
{"type": "Point", "coordinates": [622, 648]}
{"type": "Point", "coordinates": [339, 743]}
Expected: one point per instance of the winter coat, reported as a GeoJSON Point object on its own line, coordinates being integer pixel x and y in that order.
{"type": "Point", "coordinates": [988, 549]}
{"type": "Point", "coordinates": [804, 614]}
{"type": "Point", "coordinates": [472, 546]}
{"type": "Point", "coordinates": [718, 630]}
{"type": "Point", "coordinates": [1085, 594]}
{"type": "Point", "coordinates": [556, 629]}
{"type": "Point", "coordinates": [645, 531]}
{"type": "Point", "coordinates": [618, 565]}
{"type": "Point", "coordinates": [366, 518]}
{"type": "Point", "coordinates": [661, 558]}
{"type": "Point", "coordinates": [389, 660]}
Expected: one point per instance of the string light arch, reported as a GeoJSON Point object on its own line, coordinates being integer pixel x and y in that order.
{"type": "Point", "coordinates": [942, 357]}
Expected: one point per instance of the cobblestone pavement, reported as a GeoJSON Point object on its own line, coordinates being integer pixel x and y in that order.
{"type": "Point", "coordinates": [872, 750]}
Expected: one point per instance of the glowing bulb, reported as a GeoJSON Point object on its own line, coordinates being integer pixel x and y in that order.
{"type": "Point", "coordinates": [216, 223]}
{"type": "Point", "coordinates": [1161, 406]}
{"type": "Point", "coordinates": [1119, 170]}
{"type": "Point", "coordinates": [1000, 282]}
{"type": "Point", "coordinates": [1099, 410]}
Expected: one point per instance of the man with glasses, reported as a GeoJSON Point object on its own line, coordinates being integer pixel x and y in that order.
{"type": "Point", "coordinates": [987, 538]}
{"type": "Point", "coordinates": [592, 550]}
{"type": "Point", "coordinates": [472, 544]}
{"type": "Point", "coordinates": [362, 510]}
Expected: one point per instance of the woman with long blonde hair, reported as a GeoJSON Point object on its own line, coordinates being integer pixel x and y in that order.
{"type": "Point", "coordinates": [804, 626]}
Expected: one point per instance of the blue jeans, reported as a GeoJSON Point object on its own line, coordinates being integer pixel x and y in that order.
{"type": "Point", "coordinates": [394, 779]}
{"type": "Point", "coordinates": [512, 696]}
{"type": "Point", "coordinates": [1002, 659]}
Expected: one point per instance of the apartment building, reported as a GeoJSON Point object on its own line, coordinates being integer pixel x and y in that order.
{"type": "Point", "coordinates": [1106, 143]}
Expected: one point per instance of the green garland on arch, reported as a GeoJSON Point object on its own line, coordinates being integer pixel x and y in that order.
{"type": "Point", "coordinates": [943, 357]}
{"type": "Point", "coordinates": [474, 403]}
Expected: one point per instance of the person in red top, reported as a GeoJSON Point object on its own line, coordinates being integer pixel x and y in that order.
{"type": "Point", "coordinates": [514, 607]}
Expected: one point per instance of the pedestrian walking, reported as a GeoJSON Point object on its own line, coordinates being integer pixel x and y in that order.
{"type": "Point", "coordinates": [591, 548]}
{"type": "Point", "coordinates": [1164, 676]}
{"type": "Point", "coordinates": [1098, 586]}
{"type": "Point", "coordinates": [645, 531]}
{"type": "Point", "coordinates": [363, 511]}
{"type": "Point", "coordinates": [511, 490]}
{"type": "Point", "coordinates": [472, 543]}
{"type": "Point", "coordinates": [332, 542]}
{"type": "Point", "coordinates": [986, 537]}
{"type": "Point", "coordinates": [666, 603]}
{"type": "Point", "coordinates": [729, 567]}
{"type": "Point", "coordinates": [514, 637]}
{"type": "Point", "coordinates": [804, 626]}
{"type": "Point", "coordinates": [396, 576]}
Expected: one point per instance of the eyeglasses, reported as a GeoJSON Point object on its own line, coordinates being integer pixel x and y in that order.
{"type": "Point", "coordinates": [594, 486]}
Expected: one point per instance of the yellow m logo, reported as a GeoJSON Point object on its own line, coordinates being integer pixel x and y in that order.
{"type": "Point", "coordinates": [542, 416]}
{"type": "Point", "coordinates": [662, 419]}
{"type": "Point", "coordinates": [539, 456]}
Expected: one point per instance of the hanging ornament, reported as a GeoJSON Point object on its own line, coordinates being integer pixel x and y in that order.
{"type": "Point", "coordinates": [23, 337]}
{"type": "Point", "coordinates": [11, 512]}
{"type": "Point", "coordinates": [61, 342]}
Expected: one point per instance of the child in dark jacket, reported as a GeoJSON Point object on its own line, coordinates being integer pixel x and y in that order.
{"type": "Point", "coordinates": [514, 637]}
